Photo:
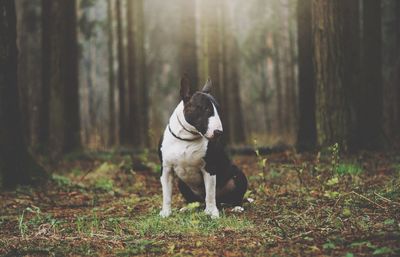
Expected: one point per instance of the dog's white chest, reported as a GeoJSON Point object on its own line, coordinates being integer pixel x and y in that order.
{"type": "Point", "coordinates": [186, 159]}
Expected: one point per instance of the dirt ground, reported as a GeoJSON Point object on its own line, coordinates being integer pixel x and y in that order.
{"type": "Point", "coordinates": [105, 204]}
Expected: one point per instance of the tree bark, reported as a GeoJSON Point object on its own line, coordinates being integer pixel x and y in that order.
{"type": "Point", "coordinates": [278, 81]}
{"type": "Point", "coordinates": [111, 77]}
{"type": "Point", "coordinates": [369, 113]}
{"type": "Point", "coordinates": [137, 126]}
{"type": "Point", "coordinates": [121, 77]}
{"type": "Point", "coordinates": [234, 119]}
{"type": "Point", "coordinates": [61, 63]}
{"type": "Point", "coordinates": [188, 56]}
{"type": "Point", "coordinates": [307, 133]}
{"type": "Point", "coordinates": [16, 164]}
{"type": "Point", "coordinates": [332, 104]}
{"type": "Point", "coordinates": [391, 67]}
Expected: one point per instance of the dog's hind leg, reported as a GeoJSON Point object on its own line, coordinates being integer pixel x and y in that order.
{"type": "Point", "coordinates": [232, 193]}
{"type": "Point", "coordinates": [188, 194]}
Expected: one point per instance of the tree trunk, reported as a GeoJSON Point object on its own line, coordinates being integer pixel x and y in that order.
{"type": "Point", "coordinates": [111, 77]}
{"type": "Point", "coordinates": [16, 164]}
{"type": "Point", "coordinates": [307, 134]}
{"type": "Point", "coordinates": [369, 113]}
{"type": "Point", "coordinates": [234, 119]}
{"type": "Point", "coordinates": [138, 99]}
{"type": "Point", "coordinates": [121, 76]}
{"type": "Point", "coordinates": [188, 56]}
{"type": "Point", "coordinates": [391, 67]}
{"type": "Point", "coordinates": [278, 81]}
{"type": "Point", "coordinates": [61, 63]}
{"type": "Point", "coordinates": [213, 41]}
{"type": "Point", "coordinates": [143, 98]}
{"type": "Point", "coordinates": [332, 105]}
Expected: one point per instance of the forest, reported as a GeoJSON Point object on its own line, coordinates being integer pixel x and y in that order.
{"type": "Point", "coordinates": [309, 97]}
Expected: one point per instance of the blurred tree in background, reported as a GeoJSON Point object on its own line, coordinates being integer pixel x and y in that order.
{"type": "Point", "coordinates": [16, 164]}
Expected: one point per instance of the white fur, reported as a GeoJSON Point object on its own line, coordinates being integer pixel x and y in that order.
{"type": "Point", "coordinates": [214, 123]}
{"type": "Point", "coordinates": [186, 160]}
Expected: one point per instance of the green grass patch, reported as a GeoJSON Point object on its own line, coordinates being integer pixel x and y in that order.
{"type": "Point", "coordinates": [193, 222]}
{"type": "Point", "coordinates": [61, 181]}
{"type": "Point", "coordinates": [348, 169]}
{"type": "Point", "coordinates": [104, 184]}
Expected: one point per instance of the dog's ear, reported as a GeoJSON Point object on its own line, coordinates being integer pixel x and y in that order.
{"type": "Point", "coordinates": [185, 92]}
{"type": "Point", "coordinates": [207, 86]}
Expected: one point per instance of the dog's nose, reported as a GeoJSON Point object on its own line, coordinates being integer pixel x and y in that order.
{"type": "Point", "coordinates": [217, 133]}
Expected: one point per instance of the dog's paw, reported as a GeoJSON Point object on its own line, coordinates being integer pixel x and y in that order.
{"type": "Point", "coordinates": [165, 213]}
{"type": "Point", "coordinates": [212, 211]}
{"type": "Point", "coordinates": [238, 209]}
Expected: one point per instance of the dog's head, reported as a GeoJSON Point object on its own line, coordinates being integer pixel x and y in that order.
{"type": "Point", "coordinates": [201, 109]}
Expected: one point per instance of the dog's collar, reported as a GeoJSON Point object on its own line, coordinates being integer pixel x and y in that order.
{"type": "Point", "coordinates": [194, 133]}
{"type": "Point", "coordinates": [183, 139]}
{"type": "Point", "coordinates": [187, 130]}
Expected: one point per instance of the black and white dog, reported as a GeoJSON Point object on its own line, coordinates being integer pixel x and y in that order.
{"type": "Point", "coordinates": [190, 149]}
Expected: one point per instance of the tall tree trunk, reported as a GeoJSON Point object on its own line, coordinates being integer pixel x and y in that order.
{"type": "Point", "coordinates": [61, 62]}
{"type": "Point", "coordinates": [143, 98]}
{"type": "Point", "coordinates": [133, 126]}
{"type": "Point", "coordinates": [44, 107]}
{"type": "Point", "coordinates": [370, 93]}
{"type": "Point", "coordinates": [138, 93]}
{"type": "Point", "coordinates": [307, 132]}
{"type": "Point", "coordinates": [278, 81]}
{"type": "Point", "coordinates": [352, 63]}
{"type": "Point", "coordinates": [188, 56]}
{"type": "Point", "coordinates": [291, 90]}
{"type": "Point", "coordinates": [213, 41]}
{"type": "Point", "coordinates": [234, 119]}
{"type": "Point", "coordinates": [16, 164]}
{"type": "Point", "coordinates": [332, 105]}
{"type": "Point", "coordinates": [111, 77]}
{"type": "Point", "coordinates": [121, 76]}
{"type": "Point", "coordinates": [391, 67]}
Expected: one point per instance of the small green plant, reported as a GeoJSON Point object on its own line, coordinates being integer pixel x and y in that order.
{"type": "Point", "coordinates": [61, 180]}
{"type": "Point", "coordinates": [144, 158]}
{"type": "Point", "coordinates": [329, 245]}
{"type": "Point", "coordinates": [104, 184]}
{"type": "Point", "coordinates": [88, 224]}
{"type": "Point", "coordinates": [335, 158]}
{"type": "Point", "coordinates": [22, 226]}
{"type": "Point", "coordinates": [261, 162]}
{"type": "Point", "coordinates": [348, 169]}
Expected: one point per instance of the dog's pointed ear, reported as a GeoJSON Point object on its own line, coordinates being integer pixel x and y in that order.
{"type": "Point", "coordinates": [185, 92]}
{"type": "Point", "coordinates": [207, 86]}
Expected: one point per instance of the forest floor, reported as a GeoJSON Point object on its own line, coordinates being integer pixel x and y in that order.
{"type": "Point", "coordinates": [107, 205]}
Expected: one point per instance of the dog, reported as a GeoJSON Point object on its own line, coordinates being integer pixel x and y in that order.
{"type": "Point", "coordinates": [190, 148]}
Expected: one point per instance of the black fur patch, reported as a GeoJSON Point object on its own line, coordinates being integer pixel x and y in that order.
{"type": "Point", "coordinates": [219, 164]}
{"type": "Point", "coordinates": [198, 110]}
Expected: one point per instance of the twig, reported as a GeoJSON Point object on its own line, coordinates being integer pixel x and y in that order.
{"type": "Point", "coordinates": [302, 234]}
{"type": "Point", "coordinates": [84, 175]}
{"type": "Point", "coordinates": [369, 200]}
{"type": "Point", "coordinates": [386, 199]}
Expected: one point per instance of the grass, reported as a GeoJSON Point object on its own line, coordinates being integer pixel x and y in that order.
{"type": "Point", "coordinates": [192, 223]}
{"type": "Point", "coordinates": [304, 205]}
{"type": "Point", "coordinates": [348, 169]}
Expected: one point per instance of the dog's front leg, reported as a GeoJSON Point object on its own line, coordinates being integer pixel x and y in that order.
{"type": "Point", "coordinates": [166, 183]}
{"type": "Point", "coordinates": [210, 182]}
